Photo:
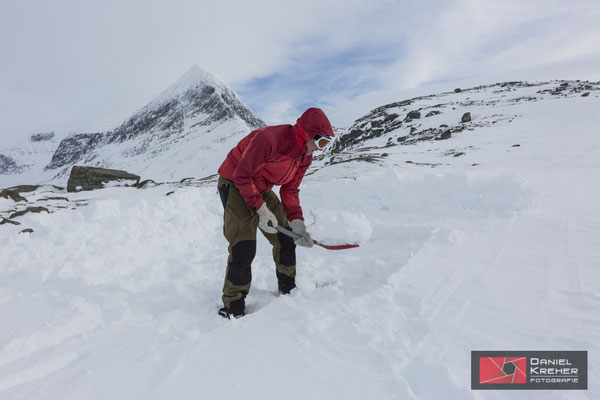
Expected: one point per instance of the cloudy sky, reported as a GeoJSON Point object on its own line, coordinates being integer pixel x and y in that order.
{"type": "Point", "coordinates": [85, 66]}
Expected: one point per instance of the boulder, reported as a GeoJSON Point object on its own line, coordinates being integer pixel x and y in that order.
{"type": "Point", "coordinates": [446, 135]}
{"type": "Point", "coordinates": [12, 194]}
{"type": "Point", "coordinates": [466, 117]}
{"type": "Point", "coordinates": [90, 178]}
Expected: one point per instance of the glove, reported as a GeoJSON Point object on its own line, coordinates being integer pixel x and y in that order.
{"type": "Point", "coordinates": [264, 217]}
{"type": "Point", "coordinates": [298, 227]}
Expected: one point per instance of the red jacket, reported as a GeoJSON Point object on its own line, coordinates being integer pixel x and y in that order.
{"type": "Point", "coordinates": [275, 155]}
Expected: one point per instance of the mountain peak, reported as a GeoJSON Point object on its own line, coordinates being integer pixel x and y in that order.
{"type": "Point", "coordinates": [195, 77]}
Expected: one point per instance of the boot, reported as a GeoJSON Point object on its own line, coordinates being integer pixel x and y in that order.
{"type": "Point", "coordinates": [227, 313]}
{"type": "Point", "coordinates": [236, 308]}
{"type": "Point", "coordinates": [285, 283]}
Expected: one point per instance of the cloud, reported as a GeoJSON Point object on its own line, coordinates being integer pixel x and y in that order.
{"type": "Point", "coordinates": [472, 42]}
{"type": "Point", "coordinates": [72, 65]}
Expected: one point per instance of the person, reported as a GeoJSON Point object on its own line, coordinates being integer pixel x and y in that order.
{"type": "Point", "coordinates": [269, 156]}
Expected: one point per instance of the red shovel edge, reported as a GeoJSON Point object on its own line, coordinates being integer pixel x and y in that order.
{"type": "Point", "coordinates": [294, 235]}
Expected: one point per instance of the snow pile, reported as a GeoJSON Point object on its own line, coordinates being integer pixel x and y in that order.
{"type": "Point", "coordinates": [339, 227]}
{"type": "Point", "coordinates": [126, 242]}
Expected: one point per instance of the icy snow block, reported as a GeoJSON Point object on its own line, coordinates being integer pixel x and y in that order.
{"type": "Point", "coordinates": [90, 178]}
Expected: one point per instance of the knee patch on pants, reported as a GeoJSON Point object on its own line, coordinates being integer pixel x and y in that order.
{"type": "Point", "coordinates": [242, 254]}
{"type": "Point", "coordinates": [287, 252]}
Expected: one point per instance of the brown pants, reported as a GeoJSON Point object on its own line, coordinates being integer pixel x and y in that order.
{"type": "Point", "coordinates": [239, 228]}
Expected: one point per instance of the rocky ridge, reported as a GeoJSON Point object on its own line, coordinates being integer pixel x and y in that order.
{"type": "Point", "coordinates": [441, 116]}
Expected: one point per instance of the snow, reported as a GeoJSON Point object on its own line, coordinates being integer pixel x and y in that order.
{"type": "Point", "coordinates": [339, 227]}
{"type": "Point", "coordinates": [118, 298]}
{"type": "Point", "coordinates": [194, 77]}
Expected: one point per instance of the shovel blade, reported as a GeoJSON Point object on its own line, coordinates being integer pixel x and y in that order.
{"type": "Point", "coordinates": [336, 247]}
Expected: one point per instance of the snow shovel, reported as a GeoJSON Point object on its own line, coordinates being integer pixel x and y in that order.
{"type": "Point", "coordinates": [294, 235]}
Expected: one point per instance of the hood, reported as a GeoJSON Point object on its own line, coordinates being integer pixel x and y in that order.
{"type": "Point", "coordinates": [313, 122]}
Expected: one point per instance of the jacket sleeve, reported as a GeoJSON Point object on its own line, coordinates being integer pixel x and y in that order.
{"type": "Point", "coordinates": [290, 191]}
{"type": "Point", "coordinates": [253, 159]}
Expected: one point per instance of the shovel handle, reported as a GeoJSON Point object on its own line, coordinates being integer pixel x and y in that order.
{"type": "Point", "coordinates": [285, 231]}
{"type": "Point", "coordinates": [294, 235]}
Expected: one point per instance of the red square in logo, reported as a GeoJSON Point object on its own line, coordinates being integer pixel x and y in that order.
{"type": "Point", "coordinates": [502, 370]}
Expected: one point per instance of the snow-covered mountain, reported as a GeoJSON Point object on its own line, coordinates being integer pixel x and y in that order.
{"type": "Point", "coordinates": [26, 160]}
{"type": "Point", "coordinates": [484, 239]}
{"type": "Point", "coordinates": [181, 133]}
{"type": "Point", "coordinates": [172, 137]}
{"type": "Point", "coordinates": [440, 116]}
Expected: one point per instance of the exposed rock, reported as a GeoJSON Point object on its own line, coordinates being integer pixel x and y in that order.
{"type": "Point", "coordinates": [90, 178]}
{"type": "Point", "coordinates": [466, 117]}
{"type": "Point", "coordinates": [28, 230]}
{"type": "Point", "coordinates": [586, 94]}
{"type": "Point", "coordinates": [170, 193]}
{"type": "Point", "coordinates": [516, 145]}
{"type": "Point", "coordinates": [75, 147]}
{"type": "Point", "coordinates": [571, 88]}
{"type": "Point", "coordinates": [459, 154]}
{"type": "Point", "coordinates": [144, 184]}
{"type": "Point", "coordinates": [432, 113]}
{"type": "Point", "coordinates": [446, 135]}
{"type": "Point", "coordinates": [8, 221]}
{"type": "Point", "coordinates": [55, 198]}
{"type": "Point", "coordinates": [27, 188]}
{"type": "Point", "coordinates": [28, 210]}
{"type": "Point", "coordinates": [9, 166]}
{"type": "Point", "coordinates": [12, 194]}
{"type": "Point", "coordinates": [457, 90]}
{"type": "Point", "coordinates": [412, 115]}
{"type": "Point", "coordinates": [41, 137]}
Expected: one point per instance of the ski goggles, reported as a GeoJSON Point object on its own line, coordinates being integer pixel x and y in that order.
{"type": "Point", "coordinates": [322, 141]}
